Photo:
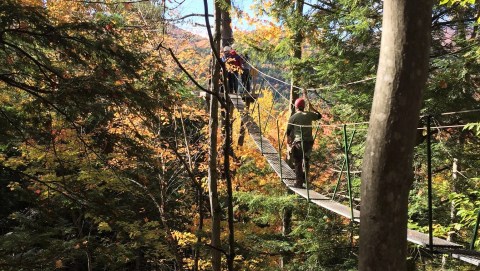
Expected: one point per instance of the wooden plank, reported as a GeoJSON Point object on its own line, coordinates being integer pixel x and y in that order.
{"type": "Point", "coordinates": [325, 202]}
{"type": "Point", "coordinates": [288, 182]}
{"type": "Point", "coordinates": [263, 144]}
{"type": "Point", "coordinates": [237, 102]}
{"type": "Point", "coordinates": [252, 127]}
{"type": "Point", "coordinates": [466, 255]}
{"type": "Point", "coordinates": [251, 97]}
{"type": "Point", "coordinates": [420, 238]}
{"type": "Point", "coordinates": [286, 172]}
{"type": "Point", "coordinates": [467, 258]}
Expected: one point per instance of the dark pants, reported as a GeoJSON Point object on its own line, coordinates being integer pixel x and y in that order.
{"type": "Point", "coordinates": [298, 156]}
{"type": "Point", "coordinates": [233, 81]}
{"type": "Point", "coordinates": [246, 80]}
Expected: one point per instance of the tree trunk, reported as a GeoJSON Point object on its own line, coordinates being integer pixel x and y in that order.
{"type": "Point", "coordinates": [297, 40]}
{"type": "Point", "coordinates": [227, 39]}
{"type": "Point", "coordinates": [286, 230]}
{"type": "Point", "coordinates": [228, 179]}
{"type": "Point", "coordinates": [215, 208]}
{"type": "Point", "coordinates": [453, 211]}
{"type": "Point", "coordinates": [227, 32]}
{"type": "Point", "coordinates": [461, 27]}
{"type": "Point", "coordinates": [387, 165]}
{"type": "Point", "coordinates": [477, 16]}
{"type": "Point", "coordinates": [241, 137]}
{"type": "Point", "coordinates": [200, 227]}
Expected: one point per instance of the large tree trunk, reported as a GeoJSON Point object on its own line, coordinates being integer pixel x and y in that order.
{"type": "Point", "coordinates": [215, 208]}
{"type": "Point", "coordinates": [387, 165]}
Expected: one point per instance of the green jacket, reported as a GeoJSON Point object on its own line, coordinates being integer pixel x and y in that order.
{"type": "Point", "coordinates": [302, 118]}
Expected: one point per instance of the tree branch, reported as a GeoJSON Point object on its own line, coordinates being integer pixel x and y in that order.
{"type": "Point", "coordinates": [103, 2]}
{"type": "Point", "coordinates": [322, 8]}
{"type": "Point", "coordinates": [446, 23]}
{"type": "Point", "coordinates": [189, 75]}
{"type": "Point", "coordinates": [187, 168]}
{"type": "Point", "coordinates": [36, 179]}
{"type": "Point", "coordinates": [88, 146]}
{"type": "Point", "coordinates": [436, 17]}
{"type": "Point", "coordinates": [189, 15]}
{"type": "Point", "coordinates": [23, 86]}
{"type": "Point", "coordinates": [39, 65]}
{"type": "Point", "coordinates": [216, 248]}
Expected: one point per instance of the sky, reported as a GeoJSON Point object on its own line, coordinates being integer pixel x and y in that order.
{"type": "Point", "coordinates": [197, 6]}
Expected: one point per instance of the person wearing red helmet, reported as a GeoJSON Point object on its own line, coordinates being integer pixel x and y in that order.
{"type": "Point", "coordinates": [233, 63]}
{"type": "Point", "coordinates": [300, 139]}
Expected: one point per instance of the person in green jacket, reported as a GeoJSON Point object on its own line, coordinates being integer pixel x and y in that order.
{"type": "Point", "coordinates": [300, 139]}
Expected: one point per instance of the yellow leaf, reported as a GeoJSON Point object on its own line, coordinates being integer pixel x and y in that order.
{"type": "Point", "coordinates": [58, 264]}
{"type": "Point", "coordinates": [103, 226]}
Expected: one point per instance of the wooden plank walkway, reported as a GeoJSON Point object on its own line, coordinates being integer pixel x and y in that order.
{"type": "Point", "coordinates": [287, 175]}
{"type": "Point", "coordinates": [475, 260]}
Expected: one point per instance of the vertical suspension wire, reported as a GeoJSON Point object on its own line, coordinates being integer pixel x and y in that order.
{"type": "Point", "coordinates": [343, 164]}
{"type": "Point", "coordinates": [253, 95]}
{"type": "Point", "coordinates": [261, 85]}
{"type": "Point", "coordinates": [304, 164]}
{"type": "Point", "coordinates": [270, 111]}
{"type": "Point", "coordinates": [256, 101]}
{"type": "Point", "coordinates": [260, 128]}
{"type": "Point", "coordinates": [316, 132]}
{"type": "Point", "coordinates": [475, 232]}
{"type": "Point", "coordinates": [238, 96]}
{"type": "Point", "coordinates": [429, 171]}
{"type": "Point", "coordinates": [279, 151]}
{"type": "Point", "coordinates": [339, 179]}
{"type": "Point", "coordinates": [347, 163]}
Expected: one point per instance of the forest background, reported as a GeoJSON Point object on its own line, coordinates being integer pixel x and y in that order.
{"type": "Point", "coordinates": [105, 142]}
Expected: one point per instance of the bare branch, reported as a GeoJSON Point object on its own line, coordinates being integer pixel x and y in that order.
{"type": "Point", "coordinates": [103, 2]}
{"type": "Point", "coordinates": [189, 75]}
{"type": "Point", "coordinates": [189, 15]}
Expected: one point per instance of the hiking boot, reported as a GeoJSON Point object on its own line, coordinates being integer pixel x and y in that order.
{"type": "Point", "coordinates": [298, 185]}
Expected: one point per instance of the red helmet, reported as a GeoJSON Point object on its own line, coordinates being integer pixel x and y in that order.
{"type": "Point", "coordinates": [300, 103]}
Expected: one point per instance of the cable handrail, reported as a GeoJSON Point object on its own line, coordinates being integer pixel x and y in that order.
{"type": "Point", "coordinates": [339, 125]}
{"type": "Point", "coordinates": [346, 84]}
{"type": "Point", "coordinates": [279, 93]}
{"type": "Point", "coordinates": [326, 87]}
{"type": "Point", "coordinates": [241, 84]}
{"type": "Point", "coordinates": [459, 112]}
{"type": "Point", "coordinates": [443, 127]}
{"type": "Point", "coordinates": [310, 89]}
{"type": "Point", "coordinates": [283, 96]}
{"type": "Point", "coordinates": [359, 123]}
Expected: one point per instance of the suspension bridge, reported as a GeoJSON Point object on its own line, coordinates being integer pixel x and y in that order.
{"type": "Point", "coordinates": [274, 157]}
